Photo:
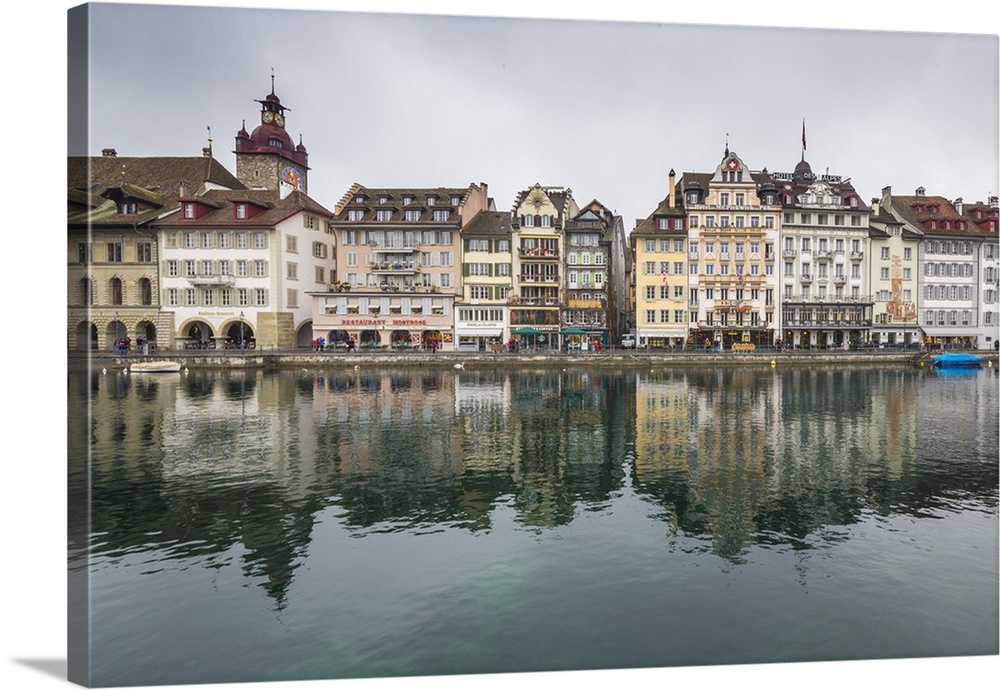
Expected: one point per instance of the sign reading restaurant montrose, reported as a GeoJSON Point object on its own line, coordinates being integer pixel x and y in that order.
{"type": "Point", "coordinates": [383, 322]}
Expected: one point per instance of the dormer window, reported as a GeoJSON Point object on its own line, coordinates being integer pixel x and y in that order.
{"type": "Point", "coordinates": [359, 199]}
{"type": "Point", "coordinates": [383, 215]}
{"type": "Point", "coordinates": [456, 200]}
{"type": "Point", "coordinates": [407, 200]}
{"type": "Point", "coordinates": [189, 209]}
{"type": "Point", "coordinates": [355, 214]}
{"type": "Point", "coordinates": [128, 208]}
{"type": "Point", "coordinates": [431, 200]}
{"type": "Point", "coordinates": [383, 200]}
{"type": "Point", "coordinates": [241, 211]}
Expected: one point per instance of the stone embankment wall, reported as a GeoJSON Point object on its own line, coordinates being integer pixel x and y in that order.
{"type": "Point", "coordinates": [478, 360]}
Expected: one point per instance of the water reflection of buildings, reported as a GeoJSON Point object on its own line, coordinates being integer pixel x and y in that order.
{"type": "Point", "coordinates": [196, 464]}
{"type": "Point", "coordinates": [700, 446]}
{"type": "Point", "coordinates": [750, 455]}
{"type": "Point", "coordinates": [201, 463]}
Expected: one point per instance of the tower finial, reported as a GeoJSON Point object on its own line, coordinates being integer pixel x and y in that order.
{"type": "Point", "coordinates": [209, 139]}
{"type": "Point", "coordinates": [727, 146]}
{"type": "Point", "coordinates": [272, 81]}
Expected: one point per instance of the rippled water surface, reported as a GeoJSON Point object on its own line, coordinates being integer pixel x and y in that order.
{"type": "Point", "coordinates": [268, 526]}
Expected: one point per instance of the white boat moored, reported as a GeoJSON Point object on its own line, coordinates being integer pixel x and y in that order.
{"type": "Point", "coordinates": [156, 367]}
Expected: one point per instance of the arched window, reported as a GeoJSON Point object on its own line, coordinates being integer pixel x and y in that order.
{"type": "Point", "coordinates": [145, 292]}
{"type": "Point", "coordinates": [116, 291]}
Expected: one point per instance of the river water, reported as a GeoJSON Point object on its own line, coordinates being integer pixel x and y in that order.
{"type": "Point", "coordinates": [288, 525]}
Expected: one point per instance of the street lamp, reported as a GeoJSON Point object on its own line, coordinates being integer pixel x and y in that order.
{"type": "Point", "coordinates": [243, 341]}
{"type": "Point", "coordinates": [117, 338]}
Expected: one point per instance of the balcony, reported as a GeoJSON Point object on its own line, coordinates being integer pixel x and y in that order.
{"type": "Point", "coordinates": [534, 278]}
{"type": "Point", "coordinates": [857, 256]}
{"type": "Point", "coordinates": [806, 278]}
{"type": "Point", "coordinates": [392, 249]}
{"type": "Point", "coordinates": [824, 254]}
{"type": "Point", "coordinates": [390, 267]}
{"type": "Point", "coordinates": [586, 304]}
{"type": "Point", "coordinates": [213, 280]}
{"type": "Point", "coordinates": [788, 253]}
{"type": "Point", "coordinates": [537, 253]}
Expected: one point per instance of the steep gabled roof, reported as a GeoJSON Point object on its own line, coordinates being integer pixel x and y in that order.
{"type": "Point", "coordinates": [488, 223]}
{"type": "Point", "coordinates": [159, 175]}
{"type": "Point", "coordinates": [396, 198]}
{"type": "Point", "coordinates": [920, 211]}
{"type": "Point", "coordinates": [273, 209]}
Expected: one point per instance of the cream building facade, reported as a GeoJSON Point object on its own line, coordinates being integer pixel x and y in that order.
{"type": "Point", "coordinates": [482, 313]}
{"type": "Point", "coordinates": [893, 274]}
{"type": "Point", "coordinates": [539, 215]}
{"type": "Point", "coordinates": [663, 286]}
{"type": "Point", "coordinates": [824, 234]}
{"type": "Point", "coordinates": [113, 250]}
{"type": "Point", "coordinates": [734, 217]}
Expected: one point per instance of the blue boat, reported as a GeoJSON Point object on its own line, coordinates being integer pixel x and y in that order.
{"type": "Point", "coordinates": [957, 359]}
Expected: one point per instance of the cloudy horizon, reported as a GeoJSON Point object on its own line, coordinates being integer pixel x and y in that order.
{"type": "Point", "coordinates": [605, 108]}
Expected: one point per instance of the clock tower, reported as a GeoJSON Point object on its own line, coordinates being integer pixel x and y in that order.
{"type": "Point", "coordinates": [267, 158]}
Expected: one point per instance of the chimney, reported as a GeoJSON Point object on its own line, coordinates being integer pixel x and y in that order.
{"type": "Point", "coordinates": [875, 205]}
{"type": "Point", "coordinates": [672, 196]}
{"type": "Point", "coordinates": [887, 197]}
{"type": "Point", "coordinates": [959, 203]}
{"type": "Point", "coordinates": [992, 202]}
{"type": "Point", "coordinates": [109, 153]}
{"type": "Point", "coordinates": [207, 152]}
{"type": "Point", "coordinates": [921, 191]}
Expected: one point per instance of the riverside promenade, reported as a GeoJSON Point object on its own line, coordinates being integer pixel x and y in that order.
{"type": "Point", "coordinates": [613, 358]}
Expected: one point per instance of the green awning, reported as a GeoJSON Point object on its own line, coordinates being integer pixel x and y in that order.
{"type": "Point", "coordinates": [525, 331]}
{"type": "Point", "coordinates": [574, 331]}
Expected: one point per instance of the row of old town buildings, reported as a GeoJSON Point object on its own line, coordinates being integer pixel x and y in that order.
{"type": "Point", "coordinates": [179, 252]}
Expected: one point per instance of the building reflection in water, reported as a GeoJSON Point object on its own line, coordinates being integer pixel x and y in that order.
{"type": "Point", "coordinates": [196, 464]}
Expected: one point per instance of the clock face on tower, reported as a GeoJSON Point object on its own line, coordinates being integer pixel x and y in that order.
{"type": "Point", "coordinates": [266, 117]}
{"type": "Point", "coordinates": [292, 177]}
{"type": "Point", "coordinates": [279, 120]}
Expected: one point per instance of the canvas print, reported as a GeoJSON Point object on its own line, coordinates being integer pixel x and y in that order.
{"type": "Point", "coordinates": [405, 346]}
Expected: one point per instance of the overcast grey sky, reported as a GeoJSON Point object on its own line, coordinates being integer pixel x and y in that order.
{"type": "Point", "coordinates": [606, 108]}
